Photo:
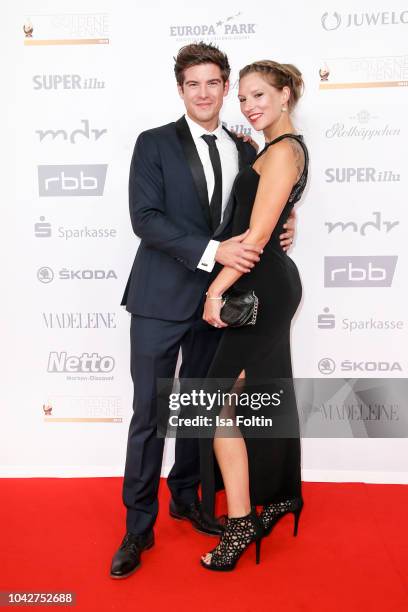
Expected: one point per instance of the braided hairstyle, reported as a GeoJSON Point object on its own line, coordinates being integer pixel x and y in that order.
{"type": "Point", "coordinates": [279, 76]}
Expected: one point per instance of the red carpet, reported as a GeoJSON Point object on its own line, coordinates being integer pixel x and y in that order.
{"type": "Point", "coordinates": [351, 553]}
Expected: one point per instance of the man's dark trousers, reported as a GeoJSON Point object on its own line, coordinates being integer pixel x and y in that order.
{"type": "Point", "coordinates": [154, 350]}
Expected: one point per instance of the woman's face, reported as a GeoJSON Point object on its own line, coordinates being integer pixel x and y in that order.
{"type": "Point", "coordinates": [261, 103]}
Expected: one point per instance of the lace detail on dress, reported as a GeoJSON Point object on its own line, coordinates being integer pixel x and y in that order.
{"type": "Point", "coordinates": [299, 186]}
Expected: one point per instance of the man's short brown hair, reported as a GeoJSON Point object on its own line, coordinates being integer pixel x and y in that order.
{"type": "Point", "coordinates": [200, 53]}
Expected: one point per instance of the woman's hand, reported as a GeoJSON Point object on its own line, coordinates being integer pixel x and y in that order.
{"type": "Point", "coordinates": [286, 239]}
{"type": "Point", "coordinates": [247, 138]}
{"type": "Point", "coordinates": [211, 314]}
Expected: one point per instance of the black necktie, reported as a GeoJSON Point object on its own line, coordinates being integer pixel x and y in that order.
{"type": "Point", "coordinates": [216, 198]}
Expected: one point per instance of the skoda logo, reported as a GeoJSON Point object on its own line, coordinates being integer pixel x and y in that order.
{"type": "Point", "coordinates": [326, 366]}
{"type": "Point", "coordinates": [331, 22]}
{"type": "Point", "coordinates": [45, 275]}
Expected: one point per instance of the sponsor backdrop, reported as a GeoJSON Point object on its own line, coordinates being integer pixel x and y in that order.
{"type": "Point", "coordinates": [90, 77]}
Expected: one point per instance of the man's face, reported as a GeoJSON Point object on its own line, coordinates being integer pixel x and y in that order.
{"type": "Point", "coordinates": [203, 92]}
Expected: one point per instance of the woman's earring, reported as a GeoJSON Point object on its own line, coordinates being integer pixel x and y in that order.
{"type": "Point", "coordinates": [283, 109]}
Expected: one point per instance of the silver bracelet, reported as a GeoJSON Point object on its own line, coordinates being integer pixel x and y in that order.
{"type": "Point", "coordinates": [219, 297]}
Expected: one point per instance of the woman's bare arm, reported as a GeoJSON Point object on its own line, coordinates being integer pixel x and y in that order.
{"type": "Point", "coordinates": [278, 174]}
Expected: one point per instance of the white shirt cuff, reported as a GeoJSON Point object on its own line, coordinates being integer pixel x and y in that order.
{"type": "Point", "coordinates": [207, 260]}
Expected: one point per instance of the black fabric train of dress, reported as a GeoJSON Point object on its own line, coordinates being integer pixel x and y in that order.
{"type": "Point", "coordinates": [263, 352]}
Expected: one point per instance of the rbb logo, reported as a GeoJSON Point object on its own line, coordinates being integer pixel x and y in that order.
{"type": "Point", "coordinates": [359, 271]}
{"type": "Point", "coordinates": [62, 363]}
{"type": "Point", "coordinates": [71, 180]}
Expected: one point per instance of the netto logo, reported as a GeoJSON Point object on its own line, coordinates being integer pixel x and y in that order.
{"type": "Point", "coordinates": [360, 175]}
{"type": "Point", "coordinates": [376, 225]}
{"type": "Point", "coordinates": [326, 366]}
{"type": "Point", "coordinates": [359, 270]}
{"type": "Point", "coordinates": [331, 22]}
{"type": "Point", "coordinates": [66, 81]}
{"type": "Point", "coordinates": [86, 363]}
{"type": "Point", "coordinates": [45, 275]}
{"type": "Point", "coordinates": [84, 133]}
{"type": "Point", "coordinates": [71, 180]}
{"type": "Point", "coordinates": [65, 274]}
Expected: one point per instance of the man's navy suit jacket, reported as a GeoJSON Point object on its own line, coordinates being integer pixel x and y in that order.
{"type": "Point", "coordinates": [170, 213]}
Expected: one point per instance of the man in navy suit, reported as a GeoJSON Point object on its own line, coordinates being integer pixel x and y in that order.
{"type": "Point", "coordinates": [180, 183]}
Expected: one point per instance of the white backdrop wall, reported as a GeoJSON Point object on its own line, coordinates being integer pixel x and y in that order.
{"type": "Point", "coordinates": [83, 80]}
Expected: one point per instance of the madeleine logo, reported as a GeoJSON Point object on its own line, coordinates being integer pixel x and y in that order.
{"type": "Point", "coordinates": [67, 29]}
{"type": "Point", "coordinates": [364, 72]}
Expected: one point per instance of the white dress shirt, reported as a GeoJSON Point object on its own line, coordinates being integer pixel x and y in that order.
{"type": "Point", "coordinates": [229, 166]}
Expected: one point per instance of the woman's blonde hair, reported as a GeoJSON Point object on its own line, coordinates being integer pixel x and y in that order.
{"type": "Point", "coordinates": [280, 76]}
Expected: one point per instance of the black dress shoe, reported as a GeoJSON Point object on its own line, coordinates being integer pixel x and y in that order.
{"type": "Point", "coordinates": [127, 558]}
{"type": "Point", "coordinates": [193, 512]}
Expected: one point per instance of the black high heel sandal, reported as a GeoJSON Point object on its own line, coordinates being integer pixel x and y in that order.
{"type": "Point", "coordinates": [272, 513]}
{"type": "Point", "coordinates": [238, 535]}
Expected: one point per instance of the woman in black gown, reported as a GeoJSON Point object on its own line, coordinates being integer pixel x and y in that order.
{"type": "Point", "coordinates": [259, 470]}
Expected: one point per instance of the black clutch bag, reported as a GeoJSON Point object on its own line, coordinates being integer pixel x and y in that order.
{"type": "Point", "coordinates": [240, 308]}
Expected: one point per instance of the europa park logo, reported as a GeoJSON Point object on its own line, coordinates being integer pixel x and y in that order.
{"type": "Point", "coordinates": [232, 27]}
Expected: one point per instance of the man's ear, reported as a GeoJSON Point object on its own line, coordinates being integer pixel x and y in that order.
{"type": "Point", "coordinates": [180, 89]}
{"type": "Point", "coordinates": [226, 87]}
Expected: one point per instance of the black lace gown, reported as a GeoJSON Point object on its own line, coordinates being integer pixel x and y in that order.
{"type": "Point", "coordinates": [262, 351]}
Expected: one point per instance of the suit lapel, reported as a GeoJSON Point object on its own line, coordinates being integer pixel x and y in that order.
{"type": "Point", "coordinates": [196, 167]}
